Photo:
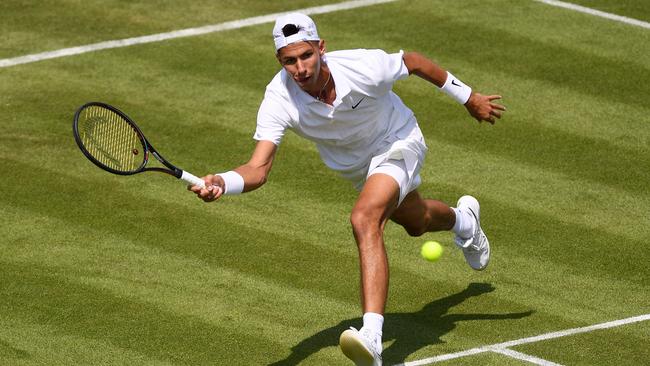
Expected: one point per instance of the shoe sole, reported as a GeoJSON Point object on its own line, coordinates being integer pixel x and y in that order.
{"type": "Point", "coordinates": [354, 349]}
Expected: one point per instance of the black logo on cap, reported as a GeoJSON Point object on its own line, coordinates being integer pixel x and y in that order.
{"type": "Point", "coordinates": [290, 30]}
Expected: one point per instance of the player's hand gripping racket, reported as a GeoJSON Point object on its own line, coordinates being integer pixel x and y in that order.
{"type": "Point", "coordinates": [113, 142]}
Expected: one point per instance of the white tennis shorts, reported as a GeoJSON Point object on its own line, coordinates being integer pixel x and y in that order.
{"type": "Point", "coordinates": [402, 160]}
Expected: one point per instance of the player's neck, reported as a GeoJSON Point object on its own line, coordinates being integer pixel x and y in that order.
{"type": "Point", "coordinates": [325, 90]}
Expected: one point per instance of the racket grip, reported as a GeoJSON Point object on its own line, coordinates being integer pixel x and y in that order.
{"type": "Point", "coordinates": [192, 179]}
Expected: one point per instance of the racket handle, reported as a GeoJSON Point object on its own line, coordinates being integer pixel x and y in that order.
{"type": "Point", "coordinates": [192, 179]}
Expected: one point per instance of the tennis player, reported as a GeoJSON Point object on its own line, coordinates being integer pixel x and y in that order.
{"type": "Point", "coordinates": [343, 102]}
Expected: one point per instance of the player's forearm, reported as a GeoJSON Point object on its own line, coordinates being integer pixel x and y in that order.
{"type": "Point", "coordinates": [257, 169]}
{"type": "Point", "coordinates": [253, 174]}
{"type": "Point", "coordinates": [239, 180]}
{"type": "Point", "coordinates": [426, 69]}
{"type": "Point", "coordinates": [242, 179]}
{"type": "Point", "coordinates": [254, 177]}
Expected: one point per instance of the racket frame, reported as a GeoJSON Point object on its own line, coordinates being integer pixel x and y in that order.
{"type": "Point", "coordinates": [146, 146]}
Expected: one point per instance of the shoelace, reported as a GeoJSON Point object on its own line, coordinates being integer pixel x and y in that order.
{"type": "Point", "coordinates": [464, 243]}
{"type": "Point", "coordinates": [481, 243]}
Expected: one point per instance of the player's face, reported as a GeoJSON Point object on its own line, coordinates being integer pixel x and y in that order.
{"type": "Point", "coordinates": [302, 60]}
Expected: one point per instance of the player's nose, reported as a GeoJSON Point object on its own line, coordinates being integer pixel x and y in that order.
{"type": "Point", "coordinates": [300, 65]}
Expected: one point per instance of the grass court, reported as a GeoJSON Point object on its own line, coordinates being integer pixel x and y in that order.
{"type": "Point", "coordinates": [98, 269]}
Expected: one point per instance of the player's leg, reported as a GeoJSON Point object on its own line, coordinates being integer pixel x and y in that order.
{"type": "Point", "coordinates": [375, 204]}
{"type": "Point", "coordinates": [418, 215]}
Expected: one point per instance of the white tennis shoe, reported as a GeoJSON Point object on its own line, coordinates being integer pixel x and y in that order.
{"type": "Point", "coordinates": [363, 347]}
{"type": "Point", "coordinates": [477, 248]}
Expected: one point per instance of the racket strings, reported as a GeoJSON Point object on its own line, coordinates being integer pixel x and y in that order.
{"type": "Point", "coordinates": [111, 140]}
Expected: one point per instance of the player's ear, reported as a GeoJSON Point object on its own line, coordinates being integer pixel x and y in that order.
{"type": "Point", "coordinates": [321, 47]}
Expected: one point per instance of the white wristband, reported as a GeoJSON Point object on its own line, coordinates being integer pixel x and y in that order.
{"type": "Point", "coordinates": [456, 89]}
{"type": "Point", "coordinates": [234, 182]}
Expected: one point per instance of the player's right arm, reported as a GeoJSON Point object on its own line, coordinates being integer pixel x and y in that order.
{"type": "Point", "coordinates": [274, 116]}
{"type": "Point", "coordinates": [254, 173]}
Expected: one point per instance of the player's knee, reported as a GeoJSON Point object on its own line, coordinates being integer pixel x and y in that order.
{"type": "Point", "coordinates": [364, 220]}
{"type": "Point", "coordinates": [358, 221]}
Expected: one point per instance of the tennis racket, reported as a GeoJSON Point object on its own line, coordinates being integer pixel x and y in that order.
{"type": "Point", "coordinates": [113, 142]}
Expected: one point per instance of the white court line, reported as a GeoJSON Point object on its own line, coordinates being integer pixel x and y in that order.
{"type": "Point", "coordinates": [595, 12]}
{"type": "Point", "coordinates": [189, 32]}
{"type": "Point", "coordinates": [517, 342]}
{"type": "Point", "coordinates": [525, 357]}
{"type": "Point", "coordinates": [8, 62]}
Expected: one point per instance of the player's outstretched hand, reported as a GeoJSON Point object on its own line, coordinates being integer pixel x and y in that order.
{"type": "Point", "coordinates": [482, 108]}
{"type": "Point", "coordinates": [213, 188]}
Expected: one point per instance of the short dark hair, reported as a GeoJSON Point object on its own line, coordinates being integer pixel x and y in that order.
{"type": "Point", "coordinates": [290, 30]}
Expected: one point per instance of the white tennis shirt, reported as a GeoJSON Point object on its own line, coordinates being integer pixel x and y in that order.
{"type": "Point", "coordinates": [365, 120]}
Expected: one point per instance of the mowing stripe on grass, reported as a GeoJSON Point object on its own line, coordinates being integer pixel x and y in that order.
{"type": "Point", "coordinates": [598, 13]}
{"type": "Point", "coordinates": [502, 348]}
{"type": "Point", "coordinates": [188, 32]}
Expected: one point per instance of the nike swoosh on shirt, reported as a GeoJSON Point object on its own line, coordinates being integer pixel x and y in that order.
{"type": "Point", "coordinates": [359, 102]}
{"type": "Point", "coordinates": [454, 83]}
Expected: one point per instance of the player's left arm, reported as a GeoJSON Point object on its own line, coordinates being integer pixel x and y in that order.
{"type": "Point", "coordinates": [481, 107]}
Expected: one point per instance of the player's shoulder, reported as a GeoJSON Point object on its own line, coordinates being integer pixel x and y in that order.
{"type": "Point", "coordinates": [359, 55]}
{"type": "Point", "coordinates": [367, 62]}
{"type": "Point", "coordinates": [364, 68]}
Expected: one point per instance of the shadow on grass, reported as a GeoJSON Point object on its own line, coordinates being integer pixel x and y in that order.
{"type": "Point", "coordinates": [410, 331]}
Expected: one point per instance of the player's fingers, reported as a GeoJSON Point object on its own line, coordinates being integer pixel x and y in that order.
{"type": "Point", "coordinates": [496, 113]}
{"type": "Point", "coordinates": [214, 190]}
{"type": "Point", "coordinates": [493, 97]}
{"type": "Point", "coordinates": [218, 192]}
{"type": "Point", "coordinates": [208, 179]}
{"type": "Point", "coordinates": [201, 192]}
{"type": "Point", "coordinates": [497, 106]}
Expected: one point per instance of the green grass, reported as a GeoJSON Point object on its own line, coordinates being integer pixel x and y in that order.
{"type": "Point", "coordinates": [102, 269]}
{"type": "Point", "coordinates": [42, 26]}
{"type": "Point", "coordinates": [607, 347]}
{"type": "Point", "coordinates": [636, 9]}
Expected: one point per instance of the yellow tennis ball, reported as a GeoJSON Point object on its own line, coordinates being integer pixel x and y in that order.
{"type": "Point", "coordinates": [431, 251]}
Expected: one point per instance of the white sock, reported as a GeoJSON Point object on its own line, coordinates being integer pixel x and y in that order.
{"type": "Point", "coordinates": [374, 322]}
{"type": "Point", "coordinates": [464, 226]}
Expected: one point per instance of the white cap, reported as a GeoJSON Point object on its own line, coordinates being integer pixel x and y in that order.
{"type": "Point", "coordinates": [306, 30]}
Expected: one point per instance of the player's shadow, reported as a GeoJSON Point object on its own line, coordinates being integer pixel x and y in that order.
{"type": "Point", "coordinates": [410, 331]}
